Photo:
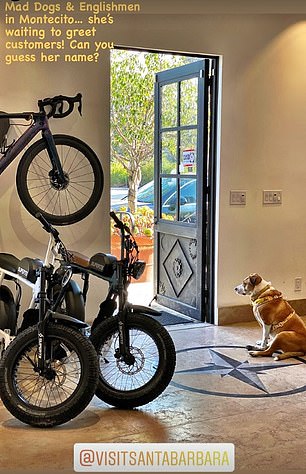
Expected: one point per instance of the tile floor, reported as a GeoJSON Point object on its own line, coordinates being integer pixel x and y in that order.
{"type": "Point", "coordinates": [218, 394]}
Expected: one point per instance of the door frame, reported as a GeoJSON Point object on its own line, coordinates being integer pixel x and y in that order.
{"type": "Point", "coordinates": [211, 302]}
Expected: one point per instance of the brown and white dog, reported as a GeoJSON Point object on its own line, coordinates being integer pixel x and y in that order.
{"type": "Point", "coordinates": [277, 318]}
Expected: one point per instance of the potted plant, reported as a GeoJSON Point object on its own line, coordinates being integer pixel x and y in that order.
{"type": "Point", "coordinates": [144, 235]}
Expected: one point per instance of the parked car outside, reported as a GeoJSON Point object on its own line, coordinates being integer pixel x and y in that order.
{"type": "Point", "coordinates": [187, 211]}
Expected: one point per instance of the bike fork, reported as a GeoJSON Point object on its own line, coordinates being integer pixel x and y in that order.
{"type": "Point", "coordinates": [42, 297]}
{"type": "Point", "coordinates": [57, 173]}
{"type": "Point", "coordinates": [124, 336]}
{"type": "Point", "coordinates": [124, 341]}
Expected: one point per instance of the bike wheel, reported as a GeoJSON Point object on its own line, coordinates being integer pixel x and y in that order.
{"type": "Point", "coordinates": [40, 192]}
{"type": "Point", "coordinates": [129, 386]}
{"type": "Point", "coordinates": [67, 385]}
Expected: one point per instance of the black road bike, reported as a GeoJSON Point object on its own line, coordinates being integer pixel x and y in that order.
{"type": "Point", "coordinates": [59, 175]}
{"type": "Point", "coordinates": [49, 372]}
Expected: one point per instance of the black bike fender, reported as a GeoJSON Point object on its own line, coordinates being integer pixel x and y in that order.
{"type": "Point", "coordinates": [68, 320]}
{"type": "Point", "coordinates": [145, 310]}
{"type": "Point", "coordinates": [74, 301]}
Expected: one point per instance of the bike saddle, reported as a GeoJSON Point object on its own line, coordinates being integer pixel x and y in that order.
{"type": "Point", "coordinates": [4, 127]}
{"type": "Point", "coordinates": [9, 262]}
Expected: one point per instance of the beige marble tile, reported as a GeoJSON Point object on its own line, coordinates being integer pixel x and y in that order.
{"type": "Point", "coordinates": [268, 432]}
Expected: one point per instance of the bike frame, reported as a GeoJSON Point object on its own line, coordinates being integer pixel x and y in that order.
{"type": "Point", "coordinates": [40, 124]}
{"type": "Point", "coordinates": [118, 287]}
{"type": "Point", "coordinates": [49, 261]}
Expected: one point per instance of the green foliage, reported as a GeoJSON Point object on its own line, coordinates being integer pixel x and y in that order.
{"type": "Point", "coordinates": [147, 172]}
{"type": "Point", "coordinates": [118, 174]}
{"type": "Point", "coordinates": [132, 112]}
{"type": "Point", "coordinates": [144, 222]}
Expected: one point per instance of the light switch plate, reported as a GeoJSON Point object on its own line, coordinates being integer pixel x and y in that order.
{"type": "Point", "coordinates": [272, 197]}
{"type": "Point", "coordinates": [238, 198]}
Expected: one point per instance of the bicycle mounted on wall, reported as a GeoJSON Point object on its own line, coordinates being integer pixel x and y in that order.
{"type": "Point", "coordinates": [59, 175]}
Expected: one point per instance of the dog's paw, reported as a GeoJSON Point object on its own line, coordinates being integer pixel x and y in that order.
{"type": "Point", "coordinates": [254, 353]}
{"type": "Point", "coordinates": [255, 348]}
{"type": "Point", "coordinates": [250, 348]}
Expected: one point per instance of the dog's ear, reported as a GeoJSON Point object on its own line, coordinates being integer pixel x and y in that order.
{"type": "Point", "coordinates": [255, 279]}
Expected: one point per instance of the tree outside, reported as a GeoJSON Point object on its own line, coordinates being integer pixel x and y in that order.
{"type": "Point", "coordinates": [132, 116]}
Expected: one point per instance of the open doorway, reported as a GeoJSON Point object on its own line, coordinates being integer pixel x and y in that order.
{"type": "Point", "coordinates": [162, 147]}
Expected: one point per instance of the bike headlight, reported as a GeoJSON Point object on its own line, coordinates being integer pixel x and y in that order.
{"type": "Point", "coordinates": [137, 269]}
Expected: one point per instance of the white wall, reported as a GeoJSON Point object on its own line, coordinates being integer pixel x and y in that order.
{"type": "Point", "coordinates": [263, 139]}
{"type": "Point", "coordinates": [20, 87]}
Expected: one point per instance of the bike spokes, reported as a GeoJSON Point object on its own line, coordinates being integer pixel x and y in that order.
{"type": "Point", "coordinates": [141, 375]}
{"type": "Point", "coordinates": [121, 375]}
{"type": "Point", "coordinates": [66, 194]}
{"type": "Point", "coordinates": [58, 381]}
{"type": "Point", "coordinates": [54, 197]}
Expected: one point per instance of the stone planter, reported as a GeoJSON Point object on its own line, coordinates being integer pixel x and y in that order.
{"type": "Point", "coordinates": [146, 248]}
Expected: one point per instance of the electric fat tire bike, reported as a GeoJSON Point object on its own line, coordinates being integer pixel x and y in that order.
{"type": "Point", "coordinates": [49, 372]}
{"type": "Point", "coordinates": [59, 175]}
{"type": "Point", "coordinates": [136, 354]}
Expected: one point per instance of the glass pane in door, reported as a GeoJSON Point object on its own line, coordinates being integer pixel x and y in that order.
{"type": "Point", "coordinates": [188, 201]}
{"type": "Point", "coordinates": [188, 147]}
{"type": "Point", "coordinates": [189, 102]}
{"type": "Point", "coordinates": [169, 152]}
{"type": "Point", "coordinates": [169, 105]}
{"type": "Point", "coordinates": [168, 207]}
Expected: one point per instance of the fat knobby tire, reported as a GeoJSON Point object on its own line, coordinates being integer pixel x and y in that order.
{"type": "Point", "coordinates": [163, 374]}
{"type": "Point", "coordinates": [72, 406]}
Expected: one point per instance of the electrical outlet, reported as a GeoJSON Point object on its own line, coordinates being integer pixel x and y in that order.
{"type": "Point", "coordinates": [272, 197]}
{"type": "Point", "coordinates": [298, 284]}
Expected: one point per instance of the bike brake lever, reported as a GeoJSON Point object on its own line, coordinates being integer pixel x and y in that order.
{"type": "Point", "coordinates": [123, 227]}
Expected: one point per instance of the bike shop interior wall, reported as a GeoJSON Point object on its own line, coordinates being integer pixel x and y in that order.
{"type": "Point", "coordinates": [262, 136]}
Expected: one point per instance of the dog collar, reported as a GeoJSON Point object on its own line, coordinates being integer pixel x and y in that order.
{"type": "Point", "coordinates": [255, 297]}
{"type": "Point", "coordinates": [282, 323]}
{"type": "Point", "coordinates": [265, 299]}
